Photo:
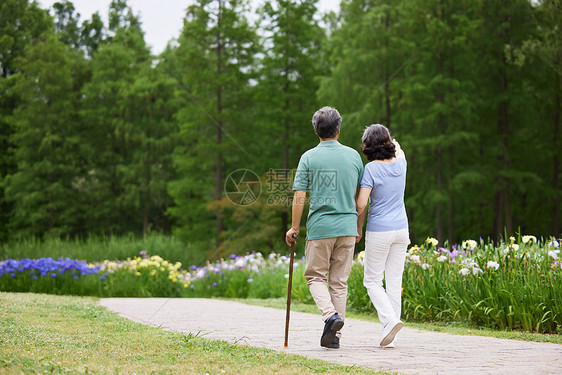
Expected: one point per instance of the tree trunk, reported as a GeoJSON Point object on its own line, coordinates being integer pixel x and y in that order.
{"type": "Point", "coordinates": [387, 76]}
{"type": "Point", "coordinates": [498, 220]}
{"type": "Point", "coordinates": [286, 137]}
{"type": "Point", "coordinates": [556, 162]}
{"type": "Point", "coordinates": [219, 159]}
{"type": "Point", "coordinates": [439, 205]}
{"type": "Point", "coordinates": [451, 218]}
{"type": "Point", "coordinates": [505, 162]}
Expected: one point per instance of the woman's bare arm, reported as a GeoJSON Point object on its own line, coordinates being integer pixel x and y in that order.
{"type": "Point", "coordinates": [399, 151]}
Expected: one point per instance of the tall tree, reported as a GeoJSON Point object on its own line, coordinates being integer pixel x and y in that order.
{"type": "Point", "coordinates": [66, 23]}
{"type": "Point", "coordinates": [507, 24]}
{"type": "Point", "coordinates": [367, 56]}
{"type": "Point", "coordinates": [115, 67]}
{"type": "Point", "coordinates": [293, 60]}
{"type": "Point", "coordinates": [148, 109]}
{"type": "Point", "coordinates": [544, 51]}
{"type": "Point", "coordinates": [92, 34]}
{"type": "Point", "coordinates": [216, 52]}
{"type": "Point", "coordinates": [21, 23]}
{"type": "Point", "coordinates": [436, 96]}
{"type": "Point", "coordinates": [45, 190]}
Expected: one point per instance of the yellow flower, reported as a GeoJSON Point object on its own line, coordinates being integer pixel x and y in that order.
{"type": "Point", "coordinates": [361, 255]}
{"type": "Point", "coordinates": [526, 239]}
{"type": "Point", "coordinates": [414, 250]}
{"type": "Point", "coordinates": [137, 273]}
{"type": "Point", "coordinates": [431, 241]}
{"type": "Point", "coordinates": [153, 273]}
{"type": "Point", "coordinates": [511, 239]}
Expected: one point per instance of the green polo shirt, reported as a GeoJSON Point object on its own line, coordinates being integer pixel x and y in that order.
{"type": "Point", "coordinates": [331, 173]}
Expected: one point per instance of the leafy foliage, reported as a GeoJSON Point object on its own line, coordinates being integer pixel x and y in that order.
{"type": "Point", "coordinates": [99, 137]}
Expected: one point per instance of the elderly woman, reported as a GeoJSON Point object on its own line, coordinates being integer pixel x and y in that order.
{"type": "Point", "coordinates": [386, 236]}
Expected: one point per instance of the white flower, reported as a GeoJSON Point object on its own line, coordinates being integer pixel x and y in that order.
{"type": "Point", "coordinates": [476, 270]}
{"type": "Point", "coordinates": [250, 280]}
{"type": "Point", "coordinates": [526, 239]}
{"type": "Point", "coordinates": [554, 243]}
{"type": "Point", "coordinates": [464, 271]}
{"type": "Point", "coordinates": [286, 275]}
{"type": "Point", "coordinates": [492, 264]}
{"type": "Point", "coordinates": [470, 244]}
{"type": "Point", "coordinates": [553, 254]}
{"type": "Point", "coordinates": [415, 259]}
{"type": "Point", "coordinates": [514, 246]}
{"type": "Point", "coordinates": [425, 266]}
{"type": "Point", "coordinates": [442, 258]}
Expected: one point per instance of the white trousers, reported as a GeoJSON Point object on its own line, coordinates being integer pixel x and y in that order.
{"type": "Point", "coordinates": [385, 253]}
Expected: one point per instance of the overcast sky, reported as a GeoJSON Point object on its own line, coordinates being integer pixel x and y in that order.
{"type": "Point", "coordinates": [161, 19]}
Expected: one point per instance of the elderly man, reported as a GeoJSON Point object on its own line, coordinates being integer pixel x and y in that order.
{"type": "Point", "coordinates": [331, 173]}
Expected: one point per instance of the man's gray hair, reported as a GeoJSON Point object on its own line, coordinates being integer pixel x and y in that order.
{"type": "Point", "coordinates": [326, 122]}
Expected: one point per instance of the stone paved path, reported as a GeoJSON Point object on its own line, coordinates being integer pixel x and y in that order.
{"type": "Point", "coordinates": [417, 352]}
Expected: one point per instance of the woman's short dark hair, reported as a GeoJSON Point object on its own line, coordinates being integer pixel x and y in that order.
{"type": "Point", "coordinates": [326, 122]}
{"type": "Point", "coordinates": [377, 143]}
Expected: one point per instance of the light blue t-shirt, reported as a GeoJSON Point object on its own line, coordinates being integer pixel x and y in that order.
{"type": "Point", "coordinates": [386, 208]}
{"type": "Point", "coordinates": [331, 173]}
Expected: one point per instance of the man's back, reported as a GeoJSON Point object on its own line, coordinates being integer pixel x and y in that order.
{"type": "Point", "coordinates": [330, 172]}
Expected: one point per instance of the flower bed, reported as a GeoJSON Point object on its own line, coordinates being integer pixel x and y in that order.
{"type": "Point", "coordinates": [515, 285]}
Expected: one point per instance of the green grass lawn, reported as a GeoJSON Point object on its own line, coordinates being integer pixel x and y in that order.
{"type": "Point", "coordinates": [453, 328]}
{"type": "Point", "coordinates": [61, 335]}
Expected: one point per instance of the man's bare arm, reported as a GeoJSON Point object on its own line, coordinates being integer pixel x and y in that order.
{"type": "Point", "coordinates": [298, 207]}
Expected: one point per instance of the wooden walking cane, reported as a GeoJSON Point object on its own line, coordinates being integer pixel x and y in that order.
{"type": "Point", "coordinates": [291, 257]}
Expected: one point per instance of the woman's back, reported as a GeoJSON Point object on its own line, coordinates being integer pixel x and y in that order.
{"type": "Point", "coordinates": [386, 208]}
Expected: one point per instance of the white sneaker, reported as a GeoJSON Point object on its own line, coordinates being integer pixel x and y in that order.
{"type": "Point", "coordinates": [389, 331]}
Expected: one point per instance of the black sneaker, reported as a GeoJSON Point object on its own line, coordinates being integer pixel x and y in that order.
{"type": "Point", "coordinates": [332, 325]}
{"type": "Point", "coordinates": [335, 344]}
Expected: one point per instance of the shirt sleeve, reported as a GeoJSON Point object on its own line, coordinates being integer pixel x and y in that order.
{"type": "Point", "coordinates": [302, 180]}
{"type": "Point", "coordinates": [368, 181]}
{"type": "Point", "coordinates": [361, 171]}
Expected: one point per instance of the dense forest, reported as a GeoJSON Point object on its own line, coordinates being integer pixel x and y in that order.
{"type": "Point", "coordinates": [101, 137]}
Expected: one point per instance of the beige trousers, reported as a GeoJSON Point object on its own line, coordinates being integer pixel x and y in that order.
{"type": "Point", "coordinates": [333, 257]}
